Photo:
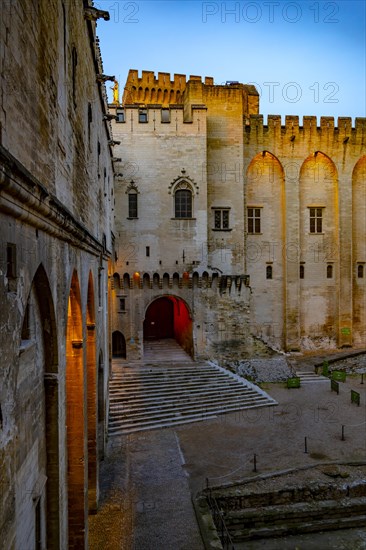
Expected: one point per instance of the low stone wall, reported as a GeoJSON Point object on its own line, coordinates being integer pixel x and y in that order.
{"type": "Point", "coordinates": [268, 369]}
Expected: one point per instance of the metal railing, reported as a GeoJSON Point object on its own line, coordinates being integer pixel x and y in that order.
{"type": "Point", "coordinates": [219, 522]}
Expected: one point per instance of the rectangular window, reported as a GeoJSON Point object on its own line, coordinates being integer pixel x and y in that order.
{"type": "Point", "coordinates": [142, 115]}
{"type": "Point", "coordinates": [316, 220]}
{"type": "Point", "coordinates": [165, 115]}
{"type": "Point", "coordinates": [122, 304]}
{"type": "Point", "coordinates": [120, 113]}
{"type": "Point", "coordinates": [132, 205]}
{"type": "Point", "coordinates": [147, 251]}
{"type": "Point", "coordinates": [254, 220]}
{"type": "Point", "coordinates": [221, 218]}
{"type": "Point", "coordinates": [183, 203]}
{"type": "Point", "coordinates": [11, 261]}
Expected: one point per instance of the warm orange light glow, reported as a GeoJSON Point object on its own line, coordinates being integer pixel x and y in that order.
{"type": "Point", "coordinates": [136, 275]}
{"type": "Point", "coordinates": [186, 275]}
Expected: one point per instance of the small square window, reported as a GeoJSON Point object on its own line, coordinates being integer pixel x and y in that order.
{"type": "Point", "coordinates": [120, 113]}
{"type": "Point", "coordinates": [142, 115]}
{"type": "Point", "coordinates": [165, 115]}
{"type": "Point", "coordinates": [221, 218]}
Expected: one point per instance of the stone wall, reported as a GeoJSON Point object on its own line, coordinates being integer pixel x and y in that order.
{"type": "Point", "coordinates": [56, 185]}
{"type": "Point", "coordinates": [307, 286]}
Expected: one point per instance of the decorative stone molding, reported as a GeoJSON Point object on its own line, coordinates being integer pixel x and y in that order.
{"type": "Point", "coordinates": [183, 182]}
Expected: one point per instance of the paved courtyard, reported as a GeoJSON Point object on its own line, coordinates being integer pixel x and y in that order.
{"type": "Point", "coordinates": [147, 478]}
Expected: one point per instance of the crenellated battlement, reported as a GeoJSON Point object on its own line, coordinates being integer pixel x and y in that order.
{"type": "Point", "coordinates": [221, 282]}
{"type": "Point", "coordinates": [309, 125]}
{"type": "Point", "coordinates": [149, 88]}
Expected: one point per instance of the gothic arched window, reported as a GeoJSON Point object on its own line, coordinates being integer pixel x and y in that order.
{"type": "Point", "coordinates": [183, 203]}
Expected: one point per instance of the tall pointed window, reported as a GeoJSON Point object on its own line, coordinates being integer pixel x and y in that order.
{"type": "Point", "coordinates": [183, 203]}
{"type": "Point", "coordinates": [132, 204]}
{"type": "Point", "coordinates": [132, 196]}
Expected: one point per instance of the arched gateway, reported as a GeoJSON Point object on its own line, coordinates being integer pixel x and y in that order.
{"type": "Point", "coordinates": [169, 317]}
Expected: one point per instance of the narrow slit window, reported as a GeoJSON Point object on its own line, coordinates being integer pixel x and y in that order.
{"type": "Point", "coordinates": [269, 272]}
{"type": "Point", "coordinates": [122, 304]}
{"type": "Point", "coordinates": [302, 272]}
{"type": "Point", "coordinates": [25, 334]}
{"type": "Point", "coordinates": [11, 261]}
{"type": "Point", "coordinates": [360, 271]}
{"type": "Point", "coordinates": [147, 251]}
{"type": "Point", "coordinates": [132, 205]}
{"type": "Point", "coordinates": [74, 57]}
{"type": "Point", "coordinates": [329, 271]}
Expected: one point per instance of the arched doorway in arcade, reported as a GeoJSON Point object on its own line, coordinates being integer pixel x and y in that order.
{"type": "Point", "coordinates": [169, 317]}
{"type": "Point", "coordinates": [118, 345]}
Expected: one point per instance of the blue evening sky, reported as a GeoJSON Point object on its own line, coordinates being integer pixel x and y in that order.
{"type": "Point", "coordinates": [305, 57]}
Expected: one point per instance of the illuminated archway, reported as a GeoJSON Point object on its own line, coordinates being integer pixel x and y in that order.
{"type": "Point", "coordinates": [265, 240]}
{"type": "Point", "coordinates": [39, 419]}
{"type": "Point", "coordinates": [169, 317]}
{"type": "Point", "coordinates": [76, 475]}
{"type": "Point", "coordinates": [359, 250]}
{"type": "Point", "coordinates": [91, 399]}
{"type": "Point", "coordinates": [319, 246]}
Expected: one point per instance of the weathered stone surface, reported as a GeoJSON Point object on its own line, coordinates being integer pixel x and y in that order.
{"type": "Point", "coordinates": [284, 284]}
{"type": "Point", "coordinates": [56, 183]}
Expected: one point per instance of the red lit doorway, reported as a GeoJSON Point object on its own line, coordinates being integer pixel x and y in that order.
{"type": "Point", "coordinates": [159, 320]}
{"type": "Point", "coordinates": [169, 317]}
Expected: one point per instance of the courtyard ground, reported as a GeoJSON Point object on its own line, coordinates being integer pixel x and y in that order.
{"type": "Point", "coordinates": [147, 478]}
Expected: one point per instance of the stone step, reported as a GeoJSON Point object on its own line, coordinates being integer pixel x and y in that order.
{"type": "Point", "coordinates": [205, 385]}
{"type": "Point", "coordinates": [167, 379]}
{"type": "Point", "coordinates": [173, 386]}
{"type": "Point", "coordinates": [167, 350]}
{"type": "Point", "coordinates": [300, 517]}
{"type": "Point", "coordinates": [120, 413]}
{"type": "Point", "coordinates": [171, 393]}
{"type": "Point", "coordinates": [180, 400]}
{"type": "Point", "coordinates": [199, 417]}
{"type": "Point", "coordinates": [310, 377]}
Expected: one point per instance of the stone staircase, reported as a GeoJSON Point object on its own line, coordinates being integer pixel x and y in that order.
{"type": "Point", "coordinates": [307, 377]}
{"type": "Point", "coordinates": [276, 507]}
{"type": "Point", "coordinates": [175, 390]}
{"type": "Point", "coordinates": [162, 351]}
